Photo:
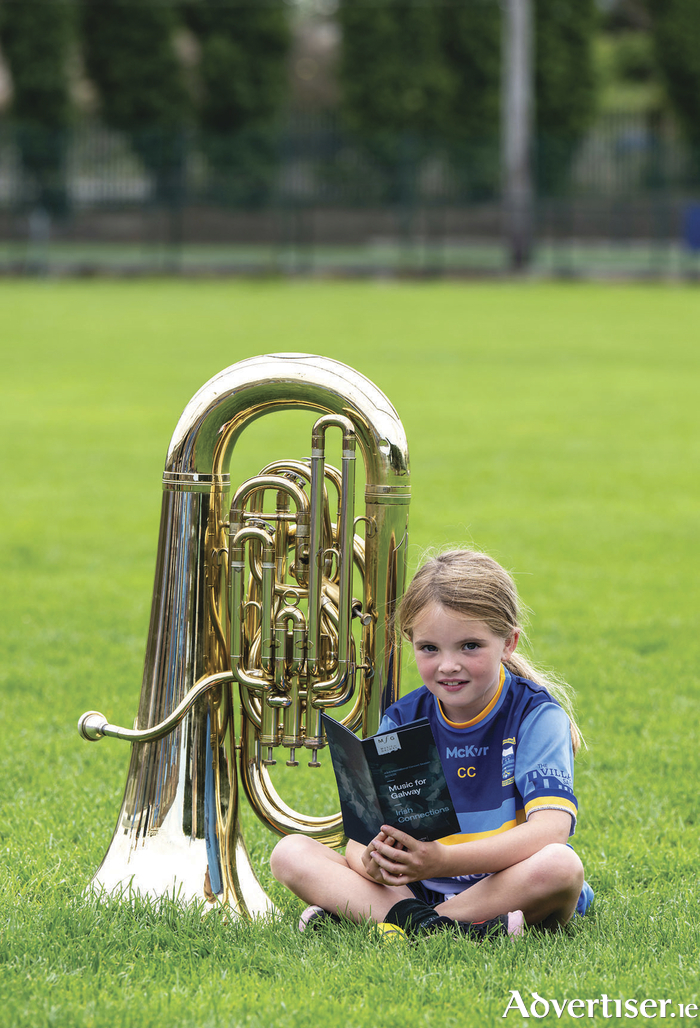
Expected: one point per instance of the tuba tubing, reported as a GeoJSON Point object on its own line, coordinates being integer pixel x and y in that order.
{"type": "Point", "coordinates": [219, 625]}
{"type": "Point", "coordinates": [93, 725]}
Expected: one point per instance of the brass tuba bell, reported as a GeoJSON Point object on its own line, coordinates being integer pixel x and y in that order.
{"type": "Point", "coordinates": [283, 589]}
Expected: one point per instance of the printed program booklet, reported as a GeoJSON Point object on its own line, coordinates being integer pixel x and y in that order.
{"type": "Point", "coordinates": [395, 778]}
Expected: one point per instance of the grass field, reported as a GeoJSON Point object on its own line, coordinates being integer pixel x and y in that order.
{"type": "Point", "coordinates": [555, 426]}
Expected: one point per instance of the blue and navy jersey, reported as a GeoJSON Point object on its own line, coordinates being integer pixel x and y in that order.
{"type": "Point", "coordinates": [512, 759]}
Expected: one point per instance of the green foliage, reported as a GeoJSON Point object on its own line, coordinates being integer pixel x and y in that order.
{"type": "Point", "coordinates": [627, 72]}
{"type": "Point", "coordinates": [565, 85]}
{"type": "Point", "coordinates": [243, 72]}
{"type": "Point", "coordinates": [392, 73]}
{"type": "Point", "coordinates": [471, 48]}
{"type": "Point", "coordinates": [634, 57]}
{"type": "Point", "coordinates": [394, 83]}
{"type": "Point", "coordinates": [413, 71]}
{"type": "Point", "coordinates": [625, 16]}
{"type": "Point", "coordinates": [130, 57]}
{"type": "Point", "coordinates": [555, 426]}
{"type": "Point", "coordinates": [35, 39]}
{"type": "Point", "coordinates": [676, 35]}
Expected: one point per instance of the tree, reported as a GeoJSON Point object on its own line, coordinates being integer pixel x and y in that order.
{"type": "Point", "coordinates": [471, 47]}
{"type": "Point", "coordinates": [243, 74]}
{"type": "Point", "coordinates": [394, 83]}
{"type": "Point", "coordinates": [565, 85]}
{"type": "Point", "coordinates": [676, 32]}
{"type": "Point", "coordinates": [432, 70]}
{"type": "Point", "coordinates": [131, 59]}
{"type": "Point", "coordinates": [36, 38]}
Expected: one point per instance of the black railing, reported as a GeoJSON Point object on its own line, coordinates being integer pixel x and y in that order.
{"type": "Point", "coordinates": [311, 197]}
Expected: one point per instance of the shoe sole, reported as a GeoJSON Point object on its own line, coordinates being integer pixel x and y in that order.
{"type": "Point", "coordinates": [309, 915]}
{"type": "Point", "coordinates": [516, 923]}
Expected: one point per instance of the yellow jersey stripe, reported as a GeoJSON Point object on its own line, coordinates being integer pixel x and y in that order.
{"type": "Point", "coordinates": [485, 712]}
{"type": "Point", "coordinates": [455, 840]}
{"type": "Point", "coordinates": [551, 802]}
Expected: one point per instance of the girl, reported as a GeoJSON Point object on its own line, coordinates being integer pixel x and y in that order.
{"type": "Point", "coordinates": [506, 737]}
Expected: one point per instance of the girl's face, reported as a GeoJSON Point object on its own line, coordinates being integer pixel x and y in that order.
{"type": "Point", "coordinates": [459, 660]}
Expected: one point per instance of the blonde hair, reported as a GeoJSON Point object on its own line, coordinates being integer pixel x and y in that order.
{"type": "Point", "coordinates": [475, 585]}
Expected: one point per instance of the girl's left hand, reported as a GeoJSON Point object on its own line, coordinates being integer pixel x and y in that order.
{"type": "Point", "coordinates": [403, 859]}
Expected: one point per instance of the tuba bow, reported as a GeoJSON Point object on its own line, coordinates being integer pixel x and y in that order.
{"type": "Point", "coordinates": [283, 593]}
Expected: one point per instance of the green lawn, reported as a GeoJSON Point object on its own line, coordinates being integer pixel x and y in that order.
{"type": "Point", "coordinates": [555, 426]}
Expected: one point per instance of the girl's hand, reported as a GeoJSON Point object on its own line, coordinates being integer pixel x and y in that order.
{"type": "Point", "coordinates": [370, 864]}
{"type": "Point", "coordinates": [402, 859]}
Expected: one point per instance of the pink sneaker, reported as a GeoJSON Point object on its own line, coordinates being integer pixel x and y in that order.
{"type": "Point", "coordinates": [317, 917]}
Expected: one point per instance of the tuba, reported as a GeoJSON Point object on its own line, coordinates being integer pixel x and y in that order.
{"type": "Point", "coordinates": [272, 603]}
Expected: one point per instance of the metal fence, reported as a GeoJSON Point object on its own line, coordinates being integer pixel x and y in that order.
{"type": "Point", "coordinates": [311, 199]}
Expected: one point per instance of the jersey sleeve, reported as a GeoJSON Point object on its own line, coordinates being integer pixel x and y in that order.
{"type": "Point", "coordinates": [386, 725]}
{"type": "Point", "coordinates": [544, 762]}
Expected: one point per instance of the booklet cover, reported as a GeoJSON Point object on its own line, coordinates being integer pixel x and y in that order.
{"type": "Point", "coordinates": [395, 778]}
